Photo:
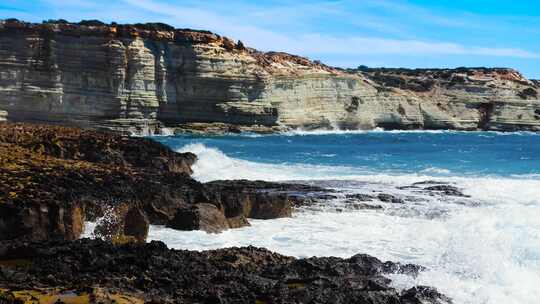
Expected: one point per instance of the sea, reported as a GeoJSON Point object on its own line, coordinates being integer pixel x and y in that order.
{"type": "Point", "coordinates": [484, 248]}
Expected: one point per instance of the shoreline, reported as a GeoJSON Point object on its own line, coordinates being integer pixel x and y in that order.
{"type": "Point", "coordinates": [58, 177]}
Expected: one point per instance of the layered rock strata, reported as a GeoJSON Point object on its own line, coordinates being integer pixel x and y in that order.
{"type": "Point", "coordinates": [92, 271]}
{"type": "Point", "coordinates": [145, 77]}
{"type": "Point", "coordinates": [52, 179]}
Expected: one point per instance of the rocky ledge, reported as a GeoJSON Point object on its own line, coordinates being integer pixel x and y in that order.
{"type": "Point", "coordinates": [148, 78]}
{"type": "Point", "coordinates": [95, 271]}
{"type": "Point", "coordinates": [53, 179]}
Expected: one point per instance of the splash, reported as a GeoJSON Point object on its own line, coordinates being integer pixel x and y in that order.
{"type": "Point", "coordinates": [482, 249]}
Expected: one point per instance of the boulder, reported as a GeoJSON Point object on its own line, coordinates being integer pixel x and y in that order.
{"type": "Point", "coordinates": [445, 190]}
{"type": "Point", "coordinates": [206, 217]}
{"type": "Point", "coordinates": [389, 198]}
{"type": "Point", "coordinates": [259, 199]}
{"type": "Point", "coordinates": [123, 223]}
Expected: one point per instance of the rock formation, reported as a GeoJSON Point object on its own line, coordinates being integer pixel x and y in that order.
{"type": "Point", "coordinates": [92, 271]}
{"type": "Point", "coordinates": [142, 78]}
{"type": "Point", "coordinates": [53, 178]}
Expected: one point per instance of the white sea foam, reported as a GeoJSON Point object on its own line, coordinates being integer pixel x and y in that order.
{"type": "Point", "coordinates": [213, 164]}
{"type": "Point", "coordinates": [487, 252]}
{"type": "Point", "coordinates": [337, 131]}
{"type": "Point", "coordinates": [484, 249]}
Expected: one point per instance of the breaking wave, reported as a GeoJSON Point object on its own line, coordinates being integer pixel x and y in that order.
{"type": "Point", "coordinates": [484, 249]}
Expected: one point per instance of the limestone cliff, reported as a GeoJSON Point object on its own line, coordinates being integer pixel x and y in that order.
{"type": "Point", "coordinates": [146, 76]}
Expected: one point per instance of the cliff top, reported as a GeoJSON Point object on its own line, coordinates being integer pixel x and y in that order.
{"type": "Point", "coordinates": [156, 31]}
{"type": "Point", "coordinates": [423, 80]}
{"type": "Point", "coordinates": [270, 61]}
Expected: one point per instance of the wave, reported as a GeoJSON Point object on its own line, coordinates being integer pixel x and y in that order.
{"type": "Point", "coordinates": [337, 131]}
{"type": "Point", "coordinates": [213, 164]}
{"type": "Point", "coordinates": [477, 253]}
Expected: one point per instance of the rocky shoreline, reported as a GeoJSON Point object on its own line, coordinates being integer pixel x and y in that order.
{"type": "Point", "coordinates": [95, 271]}
{"type": "Point", "coordinates": [53, 179]}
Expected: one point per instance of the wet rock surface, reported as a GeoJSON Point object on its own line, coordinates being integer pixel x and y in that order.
{"type": "Point", "coordinates": [235, 275]}
{"type": "Point", "coordinates": [54, 178]}
{"type": "Point", "coordinates": [429, 198]}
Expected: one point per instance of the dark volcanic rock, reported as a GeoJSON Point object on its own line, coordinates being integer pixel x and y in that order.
{"type": "Point", "coordinates": [429, 182]}
{"type": "Point", "coordinates": [205, 217]}
{"type": "Point", "coordinates": [136, 224]}
{"type": "Point", "coordinates": [53, 178]}
{"type": "Point", "coordinates": [388, 198]}
{"type": "Point", "coordinates": [360, 197]}
{"type": "Point", "coordinates": [260, 199]}
{"type": "Point", "coordinates": [445, 190]}
{"type": "Point", "coordinates": [235, 275]}
{"type": "Point", "coordinates": [96, 147]}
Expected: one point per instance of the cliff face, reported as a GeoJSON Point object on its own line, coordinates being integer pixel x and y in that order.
{"type": "Point", "coordinates": [145, 76]}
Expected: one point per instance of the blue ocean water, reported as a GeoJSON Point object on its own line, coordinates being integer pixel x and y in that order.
{"type": "Point", "coordinates": [444, 152]}
{"type": "Point", "coordinates": [480, 249]}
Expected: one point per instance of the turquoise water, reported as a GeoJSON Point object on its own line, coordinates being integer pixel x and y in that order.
{"type": "Point", "coordinates": [480, 249]}
{"type": "Point", "coordinates": [467, 153]}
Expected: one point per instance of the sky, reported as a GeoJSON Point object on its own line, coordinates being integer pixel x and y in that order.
{"type": "Point", "coordinates": [344, 33]}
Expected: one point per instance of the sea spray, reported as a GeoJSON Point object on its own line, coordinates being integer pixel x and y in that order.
{"type": "Point", "coordinates": [484, 248]}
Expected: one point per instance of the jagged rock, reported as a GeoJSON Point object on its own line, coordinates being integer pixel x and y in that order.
{"type": "Point", "coordinates": [259, 199]}
{"type": "Point", "coordinates": [123, 222]}
{"type": "Point", "coordinates": [140, 78]}
{"type": "Point", "coordinates": [423, 294]}
{"type": "Point", "coordinates": [53, 178]}
{"type": "Point", "coordinates": [446, 190]}
{"type": "Point", "coordinates": [41, 221]}
{"type": "Point", "coordinates": [388, 198]}
{"type": "Point", "coordinates": [360, 197]}
{"type": "Point", "coordinates": [206, 217]}
{"type": "Point", "coordinates": [235, 275]}
{"type": "Point", "coordinates": [429, 182]}
{"type": "Point", "coordinates": [362, 206]}
{"type": "Point", "coordinates": [136, 224]}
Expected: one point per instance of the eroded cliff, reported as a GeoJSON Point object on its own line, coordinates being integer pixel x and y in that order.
{"type": "Point", "coordinates": [140, 78]}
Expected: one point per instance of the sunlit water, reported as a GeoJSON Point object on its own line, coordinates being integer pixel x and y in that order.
{"type": "Point", "coordinates": [482, 249]}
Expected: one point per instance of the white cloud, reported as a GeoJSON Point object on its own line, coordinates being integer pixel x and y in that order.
{"type": "Point", "coordinates": [293, 33]}
{"type": "Point", "coordinates": [316, 44]}
{"type": "Point", "coordinates": [319, 44]}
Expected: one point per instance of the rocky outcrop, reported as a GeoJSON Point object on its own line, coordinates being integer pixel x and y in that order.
{"type": "Point", "coordinates": [206, 217]}
{"type": "Point", "coordinates": [153, 273]}
{"type": "Point", "coordinates": [52, 179]}
{"type": "Point", "coordinates": [142, 78]}
{"type": "Point", "coordinates": [463, 98]}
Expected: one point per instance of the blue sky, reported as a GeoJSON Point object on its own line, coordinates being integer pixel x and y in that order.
{"type": "Point", "coordinates": [346, 33]}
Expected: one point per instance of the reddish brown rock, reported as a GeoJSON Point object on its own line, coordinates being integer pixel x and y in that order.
{"type": "Point", "coordinates": [206, 217]}
{"type": "Point", "coordinates": [136, 224]}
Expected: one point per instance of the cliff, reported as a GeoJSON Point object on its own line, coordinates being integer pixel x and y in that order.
{"type": "Point", "coordinates": [141, 78]}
